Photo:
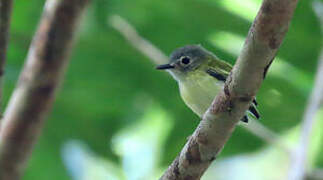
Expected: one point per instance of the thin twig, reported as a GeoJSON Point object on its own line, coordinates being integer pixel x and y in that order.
{"type": "Point", "coordinates": [5, 14]}
{"type": "Point", "coordinates": [38, 82]}
{"type": "Point", "coordinates": [141, 44]}
{"type": "Point", "coordinates": [318, 8]}
{"type": "Point", "coordinates": [297, 168]}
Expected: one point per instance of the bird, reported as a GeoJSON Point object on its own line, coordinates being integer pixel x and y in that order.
{"type": "Point", "coordinates": [201, 76]}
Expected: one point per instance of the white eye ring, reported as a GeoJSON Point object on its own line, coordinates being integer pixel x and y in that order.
{"type": "Point", "coordinates": [185, 60]}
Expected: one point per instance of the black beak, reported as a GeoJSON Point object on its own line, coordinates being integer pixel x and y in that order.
{"type": "Point", "coordinates": [165, 66]}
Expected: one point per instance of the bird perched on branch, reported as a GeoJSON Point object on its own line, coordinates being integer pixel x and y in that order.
{"type": "Point", "coordinates": [200, 75]}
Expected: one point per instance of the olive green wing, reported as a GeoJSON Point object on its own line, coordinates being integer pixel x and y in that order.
{"type": "Point", "coordinates": [215, 62]}
{"type": "Point", "coordinates": [220, 70]}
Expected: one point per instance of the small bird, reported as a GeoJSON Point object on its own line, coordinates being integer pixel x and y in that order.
{"type": "Point", "coordinates": [200, 75]}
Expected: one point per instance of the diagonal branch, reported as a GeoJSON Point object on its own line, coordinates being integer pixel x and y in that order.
{"type": "Point", "coordinates": [35, 91]}
{"type": "Point", "coordinates": [5, 14]}
{"type": "Point", "coordinates": [297, 170]}
{"type": "Point", "coordinates": [264, 38]}
{"type": "Point", "coordinates": [141, 44]}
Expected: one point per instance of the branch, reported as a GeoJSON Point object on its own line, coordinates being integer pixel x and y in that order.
{"type": "Point", "coordinates": [35, 91]}
{"type": "Point", "coordinates": [218, 123]}
{"type": "Point", "coordinates": [5, 14]}
{"type": "Point", "coordinates": [297, 168]}
{"type": "Point", "coordinates": [141, 44]}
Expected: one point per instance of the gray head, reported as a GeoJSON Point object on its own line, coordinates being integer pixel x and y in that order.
{"type": "Point", "coordinates": [185, 59]}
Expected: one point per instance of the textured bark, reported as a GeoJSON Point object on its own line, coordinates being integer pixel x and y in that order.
{"type": "Point", "coordinates": [264, 38]}
{"type": "Point", "coordinates": [35, 91]}
{"type": "Point", "coordinates": [5, 14]}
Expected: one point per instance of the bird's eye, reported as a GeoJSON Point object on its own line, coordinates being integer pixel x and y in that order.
{"type": "Point", "coordinates": [185, 60]}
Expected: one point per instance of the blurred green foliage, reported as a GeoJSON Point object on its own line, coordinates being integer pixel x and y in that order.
{"type": "Point", "coordinates": [109, 84]}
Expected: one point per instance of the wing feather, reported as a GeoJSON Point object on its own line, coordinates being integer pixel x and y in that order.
{"type": "Point", "coordinates": [220, 70]}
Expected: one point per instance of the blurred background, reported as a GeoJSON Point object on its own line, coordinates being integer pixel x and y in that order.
{"type": "Point", "coordinates": [116, 117]}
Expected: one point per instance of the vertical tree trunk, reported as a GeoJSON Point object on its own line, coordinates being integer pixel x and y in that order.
{"type": "Point", "coordinates": [35, 91]}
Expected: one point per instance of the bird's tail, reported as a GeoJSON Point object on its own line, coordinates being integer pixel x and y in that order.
{"type": "Point", "coordinates": [253, 111]}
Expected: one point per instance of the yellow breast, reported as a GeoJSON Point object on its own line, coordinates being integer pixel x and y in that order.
{"type": "Point", "coordinates": [198, 90]}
